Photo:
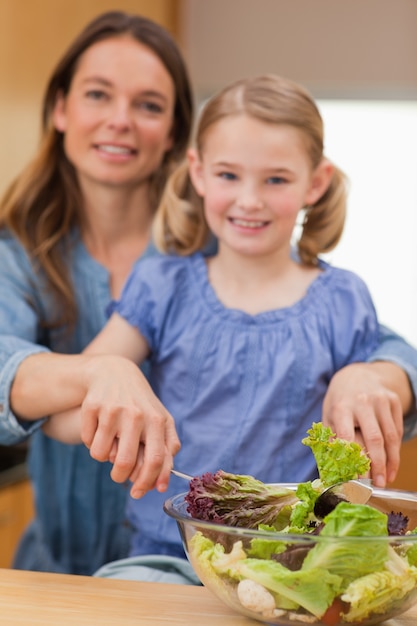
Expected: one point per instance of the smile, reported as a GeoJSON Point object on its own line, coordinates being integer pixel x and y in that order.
{"type": "Point", "coordinates": [248, 223]}
{"type": "Point", "coordinates": [112, 149]}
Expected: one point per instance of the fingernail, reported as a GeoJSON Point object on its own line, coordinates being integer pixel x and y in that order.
{"type": "Point", "coordinates": [137, 493]}
{"type": "Point", "coordinates": [379, 481]}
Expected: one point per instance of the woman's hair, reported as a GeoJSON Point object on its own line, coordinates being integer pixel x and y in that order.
{"type": "Point", "coordinates": [180, 225]}
{"type": "Point", "coordinates": [43, 203]}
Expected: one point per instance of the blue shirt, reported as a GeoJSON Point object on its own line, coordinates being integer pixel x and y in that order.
{"type": "Point", "coordinates": [80, 512]}
{"type": "Point", "coordinates": [80, 521]}
{"type": "Point", "coordinates": [243, 389]}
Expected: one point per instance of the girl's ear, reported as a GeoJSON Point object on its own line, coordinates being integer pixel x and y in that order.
{"type": "Point", "coordinates": [320, 182]}
{"type": "Point", "coordinates": [195, 168]}
{"type": "Point", "coordinates": [59, 116]}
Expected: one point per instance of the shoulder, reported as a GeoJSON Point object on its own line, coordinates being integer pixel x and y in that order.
{"type": "Point", "coordinates": [13, 256]}
{"type": "Point", "coordinates": [159, 277]}
{"type": "Point", "coordinates": [344, 282]}
{"type": "Point", "coordinates": [348, 300]}
{"type": "Point", "coordinates": [9, 242]}
{"type": "Point", "coordinates": [344, 301]}
{"type": "Point", "coordinates": [162, 265]}
{"type": "Point", "coordinates": [157, 290]}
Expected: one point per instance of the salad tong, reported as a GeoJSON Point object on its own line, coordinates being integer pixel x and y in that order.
{"type": "Point", "coordinates": [181, 474]}
{"type": "Point", "coordinates": [354, 491]}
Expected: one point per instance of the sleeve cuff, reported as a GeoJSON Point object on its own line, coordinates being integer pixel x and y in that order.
{"type": "Point", "coordinates": [13, 430]}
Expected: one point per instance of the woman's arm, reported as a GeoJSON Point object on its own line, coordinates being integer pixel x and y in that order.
{"type": "Point", "coordinates": [117, 404]}
{"type": "Point", "coordinates": [368, 401]}
{"type": "Point", "coordinates": [118, 338]}
{"type": "Point", "coordinates": [361, 404]}
{"type": "Point", "coordinates": [393, 349]}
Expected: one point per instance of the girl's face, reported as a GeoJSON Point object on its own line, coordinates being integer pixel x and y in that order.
{"type": "Point", "coordinates": [117, 116]}
{"type": "Point", "coordinates": [254, 178]}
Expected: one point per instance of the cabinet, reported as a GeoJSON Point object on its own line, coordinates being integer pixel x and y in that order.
{"type": "Point", "coordinates": [16, 511]}
{"type": "Point", "coordinates": [407, 475]}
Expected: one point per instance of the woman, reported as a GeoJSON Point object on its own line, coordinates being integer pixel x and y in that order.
{"type": "Point", "coordinates": [117, 115]}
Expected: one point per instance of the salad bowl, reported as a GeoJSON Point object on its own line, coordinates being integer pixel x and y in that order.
{"type": "Point", "coordinates": [358, 566]}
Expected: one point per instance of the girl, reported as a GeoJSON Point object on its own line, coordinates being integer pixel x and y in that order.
{"type": "Point", "coordinates": [242, 344]}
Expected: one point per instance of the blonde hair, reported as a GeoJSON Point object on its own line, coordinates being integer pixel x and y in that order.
{"type": "Point", "coordinates": [44, 202]}
{"type": "Point", "coordinates": [180, 225]}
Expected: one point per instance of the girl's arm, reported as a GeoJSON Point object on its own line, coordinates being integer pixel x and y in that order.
{"type": "Point", "coordinates": [64, 426]}
{"type": "Point", "coordinates": [119, 337]}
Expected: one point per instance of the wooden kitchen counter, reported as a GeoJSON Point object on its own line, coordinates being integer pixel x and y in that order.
{"type": "Point", "coordinates": [28, 598]}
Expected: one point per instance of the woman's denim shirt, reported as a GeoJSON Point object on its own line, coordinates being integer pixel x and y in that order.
{"type": "Point", "coordinates": [80, 512]}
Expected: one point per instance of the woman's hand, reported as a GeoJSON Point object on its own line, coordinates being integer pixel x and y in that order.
{"type": "Point", "coordinates": [365, 402]}
{"type": "Point", "coordinates": [123, 421]}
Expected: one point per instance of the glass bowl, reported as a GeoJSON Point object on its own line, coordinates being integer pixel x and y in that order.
{"type": "Point", "coordinates": [299, 579]}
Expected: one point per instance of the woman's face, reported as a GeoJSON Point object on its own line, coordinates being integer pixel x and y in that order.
{"type": "Point", "coordinates": [118, 114]}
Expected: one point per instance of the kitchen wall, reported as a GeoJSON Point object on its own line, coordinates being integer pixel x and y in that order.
{"type": "Point", "coordinates": [342, 48]}
{"type": "Point", "coordinates": [33, 34]}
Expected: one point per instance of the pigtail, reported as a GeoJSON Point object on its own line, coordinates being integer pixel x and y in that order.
{"type": "Point", "coordinates": [179, 224]}
{"type": "Point", "coordinates": [323, 222]}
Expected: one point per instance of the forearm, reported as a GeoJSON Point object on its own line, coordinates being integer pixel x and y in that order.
{"type": "Point", "coordinates": [48, 383]}
{"type": "Point", "coordinates": [65, 427]}
{"type": "Point", "coordinates": [394, 350]}
{"type": "Point", "coordinates": [393, 377]}
{"type": "Point", "coordinates": [13, 352]}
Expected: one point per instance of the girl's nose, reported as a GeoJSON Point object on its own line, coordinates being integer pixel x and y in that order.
{"type": "Point", "coordinates": [250, 200]}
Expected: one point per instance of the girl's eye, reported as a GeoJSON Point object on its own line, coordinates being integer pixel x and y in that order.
{"type": "Point", "coordinates": [276, 180]}
{"type": "Point", "coordinates": [227, 175]}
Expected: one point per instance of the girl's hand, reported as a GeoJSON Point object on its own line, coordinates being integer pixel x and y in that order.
{"type": "Point", "coordinates": [123, 421]}
{"type": "Point", "coordinates": [360, 405]}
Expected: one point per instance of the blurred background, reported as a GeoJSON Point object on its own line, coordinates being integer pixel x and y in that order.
{"type": "Point", "coordinates": [357, 57]}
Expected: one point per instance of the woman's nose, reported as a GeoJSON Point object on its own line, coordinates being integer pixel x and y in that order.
{"type": "Point", "coordinates": [120, 116]}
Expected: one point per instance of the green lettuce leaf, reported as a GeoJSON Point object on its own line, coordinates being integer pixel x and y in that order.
{"type": "Point", "coordinates": [302, 511]}
{"type": "Point", "coordinates": [337, 460]}
{"type": "Point", "coordinates": [314, 590]}
{"type": "Point", "coordinates": [350, 559]}
{"type": "Point", "coordinates": [377, 593]}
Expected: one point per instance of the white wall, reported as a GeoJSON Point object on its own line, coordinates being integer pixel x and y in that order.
{"type": "Point", "coordinates": [375, 143]}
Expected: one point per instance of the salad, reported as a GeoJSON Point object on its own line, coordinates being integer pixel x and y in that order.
{"type": "Point", "coordinates": [356, 564]}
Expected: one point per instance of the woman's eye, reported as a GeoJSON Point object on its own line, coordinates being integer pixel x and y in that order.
{"type": "Point", "coordinates": [151, 107]}
{"type": "Point", "coordinates": [96, 94]}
